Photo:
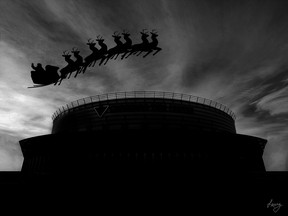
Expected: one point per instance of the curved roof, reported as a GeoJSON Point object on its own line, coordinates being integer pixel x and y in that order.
{"type": "Point", "coordinates": [143, 94]}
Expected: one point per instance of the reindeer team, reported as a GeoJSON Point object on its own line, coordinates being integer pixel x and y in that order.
{"type": "Point", "coordinates": [104, 54]}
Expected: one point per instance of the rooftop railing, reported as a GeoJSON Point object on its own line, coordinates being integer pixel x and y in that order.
{"type": "Point", "coordinates": [142, 94]}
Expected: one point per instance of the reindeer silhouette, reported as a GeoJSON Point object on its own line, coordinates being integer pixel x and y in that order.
{"type": "Point", "coordinates": [90, 58]}
{"type": "Point", "coordinates": [139, 47]}
{"type": "Point", "coordinates": [153, 45]}
{"type": "Point", "coordinates": [69, 68]}
{"type": "Point", "coordinates": [104, 49]}
{"type": "Point", "coordinates": [79, 61]}
{"type": "Point", "coordinates": [115, 50]}
{"type": "Point", "coordinates": [127, 45]}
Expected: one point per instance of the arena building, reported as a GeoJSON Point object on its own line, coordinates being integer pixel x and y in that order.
{"type": "Point", "coordinates": [142, 130]}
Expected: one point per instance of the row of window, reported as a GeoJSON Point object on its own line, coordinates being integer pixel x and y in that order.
{"type": "Point", "coordinates": [37, 163]}
{"type": "Point", "coordinates": [147, 156]}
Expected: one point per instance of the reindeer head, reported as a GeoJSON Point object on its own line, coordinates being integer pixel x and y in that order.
{"type": "Point", "coordinates": [125, 33]}
{"type": "Point", "coordinates": [75, 51]}
{"type": "Point", "coordinates": [154, 33]}
{"type": "Point", "coordinates": [144, 33]}
{"type": "Point", "coordinates": [116, 36]}
{"type": "Point", "coordinates": [99, 39]}
{"type": "Point", "coordinates": [90, 43]}
{"type": "Point", "coordinates": [66, 55]}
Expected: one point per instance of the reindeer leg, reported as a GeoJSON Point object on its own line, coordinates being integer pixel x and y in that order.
{"type": "Point", "coordinates": [100, 63]}
{"type": "Point", "coordinates": [158, 50]}
{"type": "Point", "coordinates": [81, 69]}
{"type": "Point", "coordinates": [147, 53]}
{"type": "Point", "coordinates": [112, 56]}
{"type": "Point", "coordinates": [69, 75]}
{"type": "Point", "coordinates": [130, 54]}
{"type": "Point", "coordinates": [107, 59]}
{"type": "Point", "coordinates": [116, 56]}
{"type": "Point", "coordinates": [84, 69]}
{"type": "Point", "coordinates": [135, 52]}
{"type": "Point", "coordinates": [102, 60]}
{"type": "Point", "coordinates": [60, 81]}
{"type": "Point", "coordinates": [77, 72]}
{"type": "Point", "coordinates": [139, 53]}
{"type": "Point", "coordinates": [123, 56]}
{"type": "Point", "coordinates": [95, 62]}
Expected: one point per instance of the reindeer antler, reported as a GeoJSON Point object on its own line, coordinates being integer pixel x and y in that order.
{"type": "Point", "coordinates": [124, 31]}
{"type": "Point", "coordinates": [89, 41]}
{"type": "Point", "coordinates": [64, 53]}
{"type": "Point", "coordinates": [114, 34]}
{"type": "Point", "coordinates": [143, 31]}
{"type": "Point", "coordinates": [154, 31]}
{"type": "Point", "coordinates": [74, 49]}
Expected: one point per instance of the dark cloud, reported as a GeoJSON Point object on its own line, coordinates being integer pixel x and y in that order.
{"type": "Point", "coordinates": [58, 32]}
{"type": "Point", "coordinates": [230, 37]}
{"type": "Point", "coordinates": [129, 14]}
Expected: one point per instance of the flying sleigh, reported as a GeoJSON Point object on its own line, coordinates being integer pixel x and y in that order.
{"type": "Point", "coordinates": [43, 77]}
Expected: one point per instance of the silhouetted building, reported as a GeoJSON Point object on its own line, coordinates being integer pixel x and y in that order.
{"type": "Point", "coordinates": [143, 132]}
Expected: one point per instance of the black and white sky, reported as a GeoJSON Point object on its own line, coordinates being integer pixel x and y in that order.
{"type": "Point", "coordinates": [231, 51]}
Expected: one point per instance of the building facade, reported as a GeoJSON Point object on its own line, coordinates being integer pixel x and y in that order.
{"type": "Point", "coordinates": [145, 131]}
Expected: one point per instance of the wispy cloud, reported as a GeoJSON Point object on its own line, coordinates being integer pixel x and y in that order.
{"type": "Point", "coordinates": [276, 102]}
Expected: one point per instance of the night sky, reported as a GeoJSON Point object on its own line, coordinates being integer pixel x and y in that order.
{"type": "Point", "coordinates": [234, 52]}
